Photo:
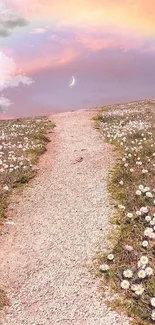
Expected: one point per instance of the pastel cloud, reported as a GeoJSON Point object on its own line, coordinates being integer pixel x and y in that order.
{"type": "Point", "coordinates": [95, 41]}
{"type": "Point", "coordinates": [10, 77]}
{"type": "Point", "coordinates": [108, 45]}
{"type": "Point", "coordinates": [9, 20]}
{"type": "Point", "coordinates": [5, 103]}
{"type": "Point", "coordinates": [47, 59]}
{"type": "Point", "coordinates": [138, 14]}
{"type": "Point", "coordinates": [59, 49]}
{"type": "Point", "coordinates": [54, 37]}
{"type": "Point", "coordinates": [39, 31]}
{"type": "Point", "coordinates": [9, 74]}
{"type": "Point", "coordinates": [122, 20]}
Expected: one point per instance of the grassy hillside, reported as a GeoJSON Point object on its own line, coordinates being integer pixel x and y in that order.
{"type": "Point", "coordinates": [21, 143]}
{"type": "Point", "coordinates": [130, 267]}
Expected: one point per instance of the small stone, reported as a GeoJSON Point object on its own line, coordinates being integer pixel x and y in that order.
{"type": "Point", "coordinates": [78, 160]}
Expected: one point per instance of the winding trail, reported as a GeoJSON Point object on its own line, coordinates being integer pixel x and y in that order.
{"type": "Point", "coordinates": [60, 223]}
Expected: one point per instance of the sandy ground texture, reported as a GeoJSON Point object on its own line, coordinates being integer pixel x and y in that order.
{"type": "Point", "coordinates": [60, 223]}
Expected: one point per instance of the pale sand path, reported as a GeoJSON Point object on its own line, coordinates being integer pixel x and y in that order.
{"type": "Point", "coordinates": [60, 223]}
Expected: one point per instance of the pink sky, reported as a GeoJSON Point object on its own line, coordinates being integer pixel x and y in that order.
{"type": "Point", "coordinates": [108, 46]}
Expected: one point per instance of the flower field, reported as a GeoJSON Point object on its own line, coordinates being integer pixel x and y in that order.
{"type": "Point", "coordinates": [21, 143]}
{"type": "Point", "coordinates": [130, 266]}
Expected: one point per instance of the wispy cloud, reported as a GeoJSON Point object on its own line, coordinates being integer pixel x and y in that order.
{"type": "Point", "coordinates": [39, 31]}
{"type": "Point", "coordinates": [63, 47]}
{"type": "Point", "coordinates": [119, 39]}
{"type": "Point", "coordinates": [47, 59]}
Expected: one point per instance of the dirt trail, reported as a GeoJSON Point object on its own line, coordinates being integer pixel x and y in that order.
{"type": "Point", "coordinates": [59, 225]}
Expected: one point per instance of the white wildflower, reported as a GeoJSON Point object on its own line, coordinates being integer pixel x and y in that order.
{"type": "Point", "coordinates": [148, 218]}
{"type": "Point", "coordinates": [146, 189]}
{"type": "Point", "coordinates": [129, 248]}
{"type": "Point", "coordinates": [130, 215]}
{"type": "Point", "coordinates": [125, 284]}
{"type": "Point", "coordinates": [149, 194]}
{"type": "Point", "coordinates": [138, 213]}
{"type": "Point", "coordinates": [141, 187]}
{"type": "Point", "coordinates": [144, 171]}
{"type": "Point", "coordinates": [144, 209]}
{"type": "Point", "coordinates": [152, 235]}
{"type": "Point", "coordinates": [104, 268]}
{"type": "Point", "coordinates": [145, 243]}
{"type": "Point", "coordinates": [144, 260]}
{"type": "Point", "coordinates": [138, 192]}
{"type": "Point", "coordinates": [148, 231]}
{"type": "Point", "coordinates": [139, 290]}
{"type": "Point", "coordinates": [128, 274]}
{"type": "Point", "coordinates": [141, 274]}
{"type": "Point", "coordinates": [140, 265]}
{"type": "Point", "coordinates": [110, 257]}
{"type": "Point", "coordinates": [149, 271]}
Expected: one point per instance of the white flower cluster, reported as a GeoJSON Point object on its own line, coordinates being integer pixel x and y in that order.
{"type": "Point", "coordinates": [143, 272]}
{"type": "Point", "coordinates": [144, 190]}
{"type": "Point", "coordinates": [105, 267]}
{"type": "Point", "coordinates": [17, 138]}
{"type": "Point", "coordinates": [130, 129]}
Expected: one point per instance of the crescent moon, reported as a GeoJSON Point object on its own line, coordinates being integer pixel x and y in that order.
{"type": "Point", "coordinates": [72, 82]}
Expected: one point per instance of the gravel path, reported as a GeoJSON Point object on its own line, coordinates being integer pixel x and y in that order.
{"type": "Point", "coordinates": [59, 225]}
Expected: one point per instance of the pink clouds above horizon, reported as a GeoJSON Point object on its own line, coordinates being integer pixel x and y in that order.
{"type": "Point", "coordinates": [111, 41]}
{"type": "Point", "coordinates": [135, 14]}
